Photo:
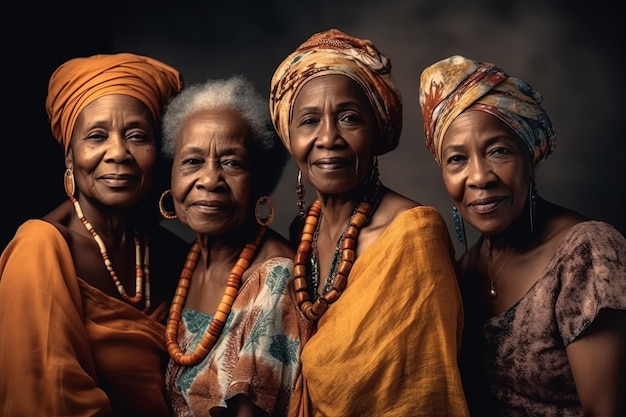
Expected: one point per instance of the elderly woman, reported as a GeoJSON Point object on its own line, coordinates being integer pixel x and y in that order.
{"type": "Point", "coordinates": [544, 288]}
{"type": "Point", "coordinates": [374, 270]}
{"type": "Point", "coordinates": [234, 332]}
{"type": "Point", "coordinates": [85, 290]}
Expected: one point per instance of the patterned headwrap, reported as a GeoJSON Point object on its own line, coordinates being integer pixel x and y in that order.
{"type": "Point", "coordinates": [455, 84]}
{"type": "Point", "coordinates": [80, 81]}
{"type": "Point", "coordinates": [334, 52]}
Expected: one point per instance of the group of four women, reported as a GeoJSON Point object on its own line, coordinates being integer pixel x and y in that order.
{"type": "Point", "coordinates": [363, 310]}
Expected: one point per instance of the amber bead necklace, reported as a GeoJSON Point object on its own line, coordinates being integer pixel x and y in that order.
{"type": "Point", "coordinates": [346, 246]}
{"type": "Point", "coordinates": [216, 327]}
{"type": "Point", "coordinates": [142, 269]}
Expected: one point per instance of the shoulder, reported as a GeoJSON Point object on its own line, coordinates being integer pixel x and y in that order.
{"type": "Point", "coordinates": [37, 231]}
{"type": "Point", "coordinates": [396, 209]}
{"type": "Point", "coordinates": [275, 245]}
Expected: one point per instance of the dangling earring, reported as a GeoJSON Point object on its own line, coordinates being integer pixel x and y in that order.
{"type": "Point", "coordinates": [459, 226]}
{"type": "Point", "coordinates": [375, 173]}
{"type": "Point", "coordinates": [68, 182]}
{"type": "Point", "coordinates": [300, 193]}
{"type": "Point", "coordinates": [169, 215]}
{"type": "Point", "coordinates": [532, 203]}
{"type": "Point", "coordinates": [270, 217]}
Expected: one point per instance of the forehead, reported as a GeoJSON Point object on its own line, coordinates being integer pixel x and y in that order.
{"type": "Point", "coordinates": [479, 123]}
{"type": "Point", "coordinates": [215, 124]}
{"type": "Point", "coordinates": [333, 85]}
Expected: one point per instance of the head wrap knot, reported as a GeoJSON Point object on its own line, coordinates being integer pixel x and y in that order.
{"type": "Point", "coordinates": [455, 84]}
{"type": "Point", "coordinates": [80, 81]}
{"type": "Point", "coordinates": [334, 52]}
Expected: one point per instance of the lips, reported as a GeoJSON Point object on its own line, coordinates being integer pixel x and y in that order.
{"type": "Point", "coordinates": [332, 163]}
{"type": "Point", "coordinates": [209, 206]}
{"type": "Point", "coordinates": [484, 205]}
{"type": "Point", "coordinates": [119, 180]}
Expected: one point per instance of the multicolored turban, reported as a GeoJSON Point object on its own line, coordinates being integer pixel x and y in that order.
{"type": "Point", "coordinates": [455, 84]}
{"type": "Point", "coordinates": [334, 52]}
{"type": "Point", "coordinates": [80, 81]}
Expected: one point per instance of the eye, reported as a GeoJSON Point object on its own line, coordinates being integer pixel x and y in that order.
{"type": "Point", "coordinates": [350, 117]}
{"type": "Point", "coordinates": [97, 135]}
{"type": "Point", "coordinates": [308, 120]}
{"type": "Point", "coordinates": [456, 159]}
{"type": "Point", "coordinates": [499, 151]}
{"type": "Point", "coordinates": [191, 161]}
{"type": "Point", "coordinates": [233, 164]}
{"type": "Point", "coordinates": [138, 136]}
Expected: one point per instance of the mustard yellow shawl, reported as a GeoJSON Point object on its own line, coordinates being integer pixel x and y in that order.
{"type": "Point", "coordinates": [389, 345]}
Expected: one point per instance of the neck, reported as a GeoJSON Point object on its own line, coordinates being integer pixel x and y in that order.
{"type": "Point", "coordinates": [518, 236]}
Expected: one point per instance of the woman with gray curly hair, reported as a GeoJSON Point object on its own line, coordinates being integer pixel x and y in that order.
{"type": "Point", "coordinates": [234, 331]}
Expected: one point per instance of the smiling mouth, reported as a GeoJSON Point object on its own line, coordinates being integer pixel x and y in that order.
{"type": "Point", "coordinates": [332, 163]}
{"type": "Point", "coordinates": [486, 205]}
{"type": "Point", "coordinates": [119, 181]}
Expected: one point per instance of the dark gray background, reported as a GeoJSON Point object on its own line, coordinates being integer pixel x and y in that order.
{"type": "Point", "coordinates": [568, 53]}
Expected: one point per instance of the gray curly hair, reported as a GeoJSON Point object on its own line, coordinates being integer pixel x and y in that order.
{"type": "Point", "coordinates": [236, 93]}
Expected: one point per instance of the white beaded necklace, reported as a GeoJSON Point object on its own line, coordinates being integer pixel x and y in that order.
{"type": "Point", "coordinates": [140, 269]}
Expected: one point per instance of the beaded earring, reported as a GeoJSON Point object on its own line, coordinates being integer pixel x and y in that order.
{"type": "Point", "coordinates": [270, 217]}
{"type": "Point", "coordinates": [459, 227]}
{"type": "Point", "coordinates": [300, 193]}
{"type": "Point", "coordinates": [169, 215]}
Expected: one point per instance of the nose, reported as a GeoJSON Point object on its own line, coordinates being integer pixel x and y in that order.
{"type": "Point", "coordinates": [117, 149]}
{"type": "Point", "coordinates": [329, 134]}
{"type": "Point", "coordinates": [210, 177]}
{"type": "Point", "coordinates": [480, 173]}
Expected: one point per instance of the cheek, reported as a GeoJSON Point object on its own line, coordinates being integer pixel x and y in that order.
{"type": "Point", "coordinates": [300, 154]}
{"type": "Point", "coordinates": [454, 186]}
{"type": "Point", "coordinates": [146, 160]}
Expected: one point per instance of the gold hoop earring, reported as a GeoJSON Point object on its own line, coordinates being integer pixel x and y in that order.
{"type": "Point", "coordinates": [68, 182]}
{"type": "Point", "coordinates": [169, 215]}
{"type": "Point", "coordinates": [270, 217]}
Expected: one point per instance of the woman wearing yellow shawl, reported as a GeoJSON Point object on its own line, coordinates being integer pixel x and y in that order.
{"type": "Point", "coordinates": [374, 270]}
{"type": "Point", "coordinates": [84, 291]}
{"type": "Point", "coordinates": [544, 288]}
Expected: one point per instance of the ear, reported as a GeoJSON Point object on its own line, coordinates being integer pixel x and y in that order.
{"type": "Point", "coordinates": [69, 159]}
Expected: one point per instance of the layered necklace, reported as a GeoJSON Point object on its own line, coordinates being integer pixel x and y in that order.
{"type": "Point", "coordinates": [345, 253]}
{"type": "Point", "coordinates": [214, 330]}
{"type": "Point", "coordinates": [142, 269]}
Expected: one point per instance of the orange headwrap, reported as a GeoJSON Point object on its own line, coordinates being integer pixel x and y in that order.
{"type": "Point", "coordinates": [80, 81]}
{"type": "Point", "coordinates": [334, 52]}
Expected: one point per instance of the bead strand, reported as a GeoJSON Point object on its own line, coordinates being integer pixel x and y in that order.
{"type": "Point", "coordinates": [142, 267]}
{"type": "Point", "coordinates": [314, 310]}
{"type": "Point", "coordinates": [218, 322]}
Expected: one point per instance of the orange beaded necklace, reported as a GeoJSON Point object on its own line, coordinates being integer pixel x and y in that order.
{"type": "Point", "coordinates": [361, 215]}
{"type": "Point", "coordinates": [140, 269]}
{"type": "Point", "coordinates": [214, 330]}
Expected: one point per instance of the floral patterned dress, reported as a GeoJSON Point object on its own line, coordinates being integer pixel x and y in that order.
{"type": "Point", "coordinates": [257, 353]}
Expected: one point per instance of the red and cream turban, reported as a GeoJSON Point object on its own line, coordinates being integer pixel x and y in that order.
{"type": "Point", "coordinates": [334, 52]}
{"type": "Point", "coordinates": [80, 81]}
{"type": "Point", "coordinates": [455, 84]}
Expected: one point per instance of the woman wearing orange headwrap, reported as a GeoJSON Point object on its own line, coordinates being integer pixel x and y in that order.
{"type": "Point", "coordinates": [85, 289]}
{"type": "Point", "coordinates": [544, 288]}
{"type": "Point", "coordinates": [374, 270]}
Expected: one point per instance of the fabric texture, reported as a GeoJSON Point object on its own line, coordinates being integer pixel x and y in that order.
{"type": "Point", "coordinates": [80, 81]}
{"type": "Point", "coordinates": [523, 349]}
{"type": "Point", "coordinates": [388, 346]}
{"type": "Point", "coordinates": [334, 52]}
{"type": "Point", "coordinates": [257, 353]}
{"type": "Point", "coordinates": [455, 84]}
{"type": "Point", "coordinates": [66, 348]}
